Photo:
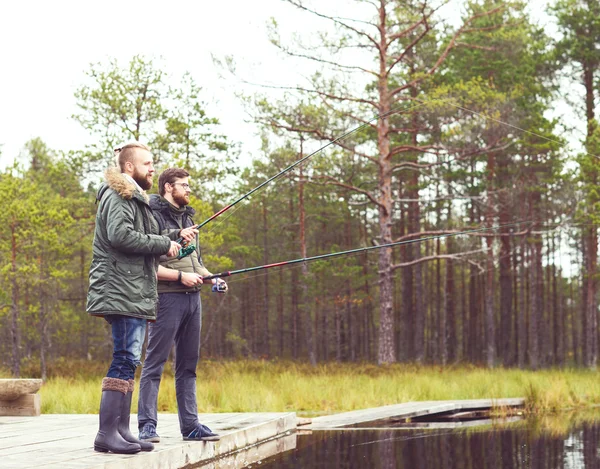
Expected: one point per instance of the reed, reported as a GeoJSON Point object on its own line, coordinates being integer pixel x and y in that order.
{"type": "Point", "coordinates": [276, 386]}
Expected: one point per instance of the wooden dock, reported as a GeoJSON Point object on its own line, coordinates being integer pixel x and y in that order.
{"type": "Point", "coordinates": [407, 411]}
{"type": "Point", "coordinates": [66, 442]}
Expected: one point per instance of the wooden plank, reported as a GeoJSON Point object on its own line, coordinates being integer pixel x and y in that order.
{"type": "Point", "coordinates": [407, 410]}
{"type": "Point", "coordinates": [27, 405]}
{"type": "Point", "coordinates": [253, 455]}
{"type": "Point", "coordinates": [44, 445]}
{"type": "Point", "coordinates": [420, 425]}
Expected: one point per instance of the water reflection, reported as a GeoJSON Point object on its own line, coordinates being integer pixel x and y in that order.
{"type": "Point", "coordinates": [566, 441]}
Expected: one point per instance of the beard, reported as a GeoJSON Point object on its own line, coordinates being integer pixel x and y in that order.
{"type": "Point", "coordinates": [144, 181]}
{"type": "Point", "coordinates": [181, 199]}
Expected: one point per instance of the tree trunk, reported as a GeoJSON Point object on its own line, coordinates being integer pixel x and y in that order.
{"type": "Point", "coordinates": [534, 308]}
{"type": "Point", "coordinates": [387, 349]}
{"type": "Point", "coordinates": [490, 333]}
{"type": "Point", "coordinates": [280, 322]}
{"type": "Point", "coordinates": [522, 311]}
{"type": "Point", "coordinates": [14, 330]}
{"type": "Point", "coordinates": [305, 309]}
{"type": "Point", "coordinates": [442, 311]}
{"type": "Point", "coordinates": [450, 292]}
{"type": "Point", "coordinates": [590, 346]}
{"type": "Point", "coordinates": [265, 338]}
{"type": "Point", "coordinates": [590, 318]}
{"type": "Point", "coordinates": [504, 262]}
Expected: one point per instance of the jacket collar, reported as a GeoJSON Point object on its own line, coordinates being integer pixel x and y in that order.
{"type": "Point", "coordinates": [123, 185]}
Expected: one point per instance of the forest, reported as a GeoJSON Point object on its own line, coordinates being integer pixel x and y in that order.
{"type": "Point", "coordinates": [417, 127]}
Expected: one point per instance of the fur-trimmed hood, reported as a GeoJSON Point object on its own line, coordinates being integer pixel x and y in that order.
{"type": "Point", "coordinates": [117, 181]}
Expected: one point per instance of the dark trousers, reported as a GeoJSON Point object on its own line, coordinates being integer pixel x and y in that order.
{"type": "Point", "coordinates": [178, 321]}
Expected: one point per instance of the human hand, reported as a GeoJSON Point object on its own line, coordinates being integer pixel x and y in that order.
{"type": "Point", "coordinates": [174, 249]}
{"type": "Point", "coordinates": [189, 234]}
{"type": "Point", "coordinates": [190, 279]}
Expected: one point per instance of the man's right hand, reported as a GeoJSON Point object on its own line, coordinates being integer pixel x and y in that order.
{"type": "Point", "coordinates": [174, 249]}
{"type": "Point", "coordinates": [188, 234]}
{"type": "Point", "coordinates": [190, 279]}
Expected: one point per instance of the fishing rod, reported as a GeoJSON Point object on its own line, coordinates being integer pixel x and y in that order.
{"type": "Point", "coordinates": [187, 249]}
{"type": "Point", "coordinates": [229, 273]}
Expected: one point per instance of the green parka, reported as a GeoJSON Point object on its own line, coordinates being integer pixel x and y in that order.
{"type": "Point", "coordinates": [125, 252]}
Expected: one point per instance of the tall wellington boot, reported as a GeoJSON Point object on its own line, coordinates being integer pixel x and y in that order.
{"type": "Point", "coordinates": [124, 421]}
{"type": "Point", "coordinates": [108, 437]}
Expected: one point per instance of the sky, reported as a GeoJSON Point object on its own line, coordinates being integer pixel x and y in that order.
{"type": "Point", "coordinates": [46, 47]}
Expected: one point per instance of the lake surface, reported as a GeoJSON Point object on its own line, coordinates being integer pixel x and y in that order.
{"type": "Point", "coordinates": [567, 441]}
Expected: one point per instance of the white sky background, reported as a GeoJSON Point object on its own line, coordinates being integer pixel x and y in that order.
{"type": "Point", "coordinates": [46, 47]}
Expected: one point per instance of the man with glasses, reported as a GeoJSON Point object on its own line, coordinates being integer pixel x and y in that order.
{"type": "Point", "coordinates": [179, 316]}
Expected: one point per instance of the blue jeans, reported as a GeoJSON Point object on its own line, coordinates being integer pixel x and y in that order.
{"type": "Point", "coordinates": [128, 337]}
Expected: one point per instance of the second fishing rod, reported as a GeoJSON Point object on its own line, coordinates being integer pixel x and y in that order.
{"type": "Point", "coordinates": [187, 249]}
{"type": "Point", "coordinates": [229, 273]}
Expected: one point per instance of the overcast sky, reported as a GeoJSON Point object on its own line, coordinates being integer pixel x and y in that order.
{"type": "Point", "coordinates": [46, 47]}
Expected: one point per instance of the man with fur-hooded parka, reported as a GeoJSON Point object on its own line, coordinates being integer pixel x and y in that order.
{"type": "Point", "coordinates": [122, 286]}
{"type": "Point", "coordinates": [125, 252]}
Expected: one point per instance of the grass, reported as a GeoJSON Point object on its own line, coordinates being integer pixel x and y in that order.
{"type": "Point", "coordinates": [275, 386]}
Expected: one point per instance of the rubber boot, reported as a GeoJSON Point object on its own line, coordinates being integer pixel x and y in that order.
{"type": "Point", "coordinates": [124, 429]}
{"type": "Point", "coordinates": [108, 437]}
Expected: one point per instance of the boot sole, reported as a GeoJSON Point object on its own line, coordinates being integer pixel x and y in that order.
{"type": "Point", "coordinates": [102, 449]}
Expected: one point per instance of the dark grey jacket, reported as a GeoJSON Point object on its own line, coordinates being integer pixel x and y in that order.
{"type": "Point", "coordinates": [125, 252]}
{"type": "Point", "coordinates": [171, 219]}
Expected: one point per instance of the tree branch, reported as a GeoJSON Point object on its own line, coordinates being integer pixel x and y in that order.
{"type": "Point", "coordinates": [408, 48]}
{"type": "Point", "coordinates": [447, 50]}
{"type": "Point", "coordinates": [417, 148]}
{"type": "Point", "coordinates": [320, 135]}
{"type": "Point", "coordinates": [336, 21]}
{"type": "Point", "coordinates": [317, 92]}
{"type": "Point", "coordinates": [473, 46]}
{"type": "Point", "coordinates": [328, 62]}
{"type": "Point", "coordinates": [332, 181]}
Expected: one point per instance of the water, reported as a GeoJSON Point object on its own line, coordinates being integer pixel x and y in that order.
{"type": "Point", "coordinates": [566, 441]}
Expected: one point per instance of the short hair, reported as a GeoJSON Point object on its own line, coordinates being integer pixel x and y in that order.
{"type": "Point", "coordinates": [168, 176]}
{"type": "Point", "coordinates": [125, 153]}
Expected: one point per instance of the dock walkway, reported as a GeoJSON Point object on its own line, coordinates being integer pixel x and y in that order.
{"type": "Point", "coordinates": [66, 442]}
{"type": "Point", "coordinates": [407, 410]}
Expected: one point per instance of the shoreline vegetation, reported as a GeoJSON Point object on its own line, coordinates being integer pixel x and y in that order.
{"type": "Point", "coordinates": [279, 386]}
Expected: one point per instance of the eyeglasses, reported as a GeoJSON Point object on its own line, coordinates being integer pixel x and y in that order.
{"type": "Point", "coordinates": [186, 186]}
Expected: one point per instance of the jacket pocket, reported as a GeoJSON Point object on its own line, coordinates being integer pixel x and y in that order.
{"type": "Point", "coordinates": [127, 282]}
{"type": "Point", "coordinates": [129, 269]}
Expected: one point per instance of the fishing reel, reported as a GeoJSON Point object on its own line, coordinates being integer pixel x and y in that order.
{"type": "Point", "coordinates": [186, 250]}
{"type": "Point", "coordinates": [219, 287]}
